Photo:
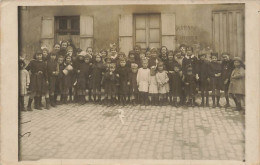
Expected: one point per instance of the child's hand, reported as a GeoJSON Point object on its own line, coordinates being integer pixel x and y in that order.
{"type": "Point", "coordinates": [187, 83]}
{"type": "Point", "coordinates": [47, 82]}
{"type": "Point", "coordinates": [208, 79]}
{"type": "Point", "coordinates": [197, 89]}
{"type": "Point", "coordinates": [40, 72]}
{"type": "Point", "coordinates": [128, 83]}
{"type": "Point", "coordinates": [117, 75]}
{"type": "Point", "coordinates": [226, 81]}
{"type": "Point", "coordinates": [78, 71]}
{"type": "Point", "coordinates": [171, 71]}
{"type": "Point", "coordinates": [197, 77]}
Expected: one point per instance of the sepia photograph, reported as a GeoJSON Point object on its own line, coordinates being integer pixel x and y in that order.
{"type": "Point", "coordinates": [163, 82]}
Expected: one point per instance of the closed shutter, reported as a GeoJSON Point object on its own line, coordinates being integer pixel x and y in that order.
{"type": "Point", "coordinates": [86, 32]}
{"type": "Point", "coordinates": [47, 32]}
{"type": "Point", "coordinates": [168, 30]}
{"type": "Point", "coordinates": [125, 33]}
{"type": "Point", "coordinates": [228, 32]}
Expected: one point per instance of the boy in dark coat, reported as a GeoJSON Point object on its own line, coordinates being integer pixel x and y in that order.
{"type": "Point", "coordinates": [215, 79]}
{"type": "Point", "coordinates": [204, 73]}
{"type": "Point", "coordinates": [52, 71]}
{"type": "Point", "coordinates": [190, 86]}
{"type": "Point", "coordinates": [98, 68]}
{"type": "Point", "coordinates": [123, 73]}
{"type": "Point", "coordinates": [133, 89]}
{"type": "Point", "coordinates": [226, 70]}
{"type": "Point", "coordinates": [176, 84]}
{"type": "Point", "coordinates": [110, 81]}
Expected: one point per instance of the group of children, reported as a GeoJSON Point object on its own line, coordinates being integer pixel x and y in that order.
{"type": "Point", "coordinates": [155, 77]}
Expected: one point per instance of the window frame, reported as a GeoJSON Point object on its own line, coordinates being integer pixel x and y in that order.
{"type": "Point", "coordinates": [147, 28]}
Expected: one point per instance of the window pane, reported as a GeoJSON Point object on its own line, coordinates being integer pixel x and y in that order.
{"type": "Point", "coordinates": [140, 36]}
{"type": "Point", "coordinates": [63, 24]}
{"type": "Point", "coordinates": [154, 21]}
{"type": "Point", "coordinates": [75, 26]}
{"type": "Point", "coordinates": [154, 45]}
{"type": "Point", "coordinates": [154, 35]}
{"type": "Point", "coordinates": [140, 21]}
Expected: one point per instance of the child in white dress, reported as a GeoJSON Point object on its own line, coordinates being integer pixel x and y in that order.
{"type": "Point", "coordinates": [153, 86]}
{"type": "Point", "coordinates": [143, 77]}
{"type": "Point", "coordinates": [163, 83]}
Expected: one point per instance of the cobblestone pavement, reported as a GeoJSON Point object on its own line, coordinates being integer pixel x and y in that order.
{"type": "Point", "coordinates": [96, 132]}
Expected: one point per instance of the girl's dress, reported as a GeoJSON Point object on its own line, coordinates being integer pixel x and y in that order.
{"type": "Point", "coordinates": [162, 79]}
{"type": "Point", "coordinates": [24, 81]}
{"type": "Point", "coordinates": [123, 79]}
{"type": "Point", "coordinates": [237, 81]}
{"type": "Point", "coordinates": [143, 77]}
{"type": "Point", "coordinates": [38, 77]}
{"type": "Point", "coordinates": [133, 83]}
{"type": "Point", "coordinates": [96, 76]}
{"type": "Point", "coordinates": [153, 86]}
{"type": "Point", "coordinates": [176, 84]}
{"type": "Point", "coordinates": [110, 80]}
{"type": "Point", "coordinates": [52, 66]}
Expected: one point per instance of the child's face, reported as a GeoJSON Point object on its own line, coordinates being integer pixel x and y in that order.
{"type": "Point", "coordinates": [214, 59]}
{"type": "Point", "coordinates": [70, 52]}
{"type": "Point", "coordinates": [237, 64]}
{"type": "Point", "coordinates": [176, 69]}
{"type": "Point", "coordinates": [142, 55]}
{"type": "Point", "coordinates": [225, 57]}
{"type": "Point", "coordinates": [39, 56]}
{"type": "Point", "coordinates": [81, 58]}
{"type": "Point", "coordinates": [122, 63]}
{"type": "Point", "coordinates": [68, 59]}
{"type": "Point", "coordinates": [60, 60]}
{"type": "Point", "coordinates": [145, 65]}
{"type": "Point", "coordinates": [202, 57]}
{"type": "Point", "coordinates": [137, 50]}
{"type": "Point", "coordinates": [160, 68]}
{"type": "Point", "coordinates": [53, 57]}
{"type": "Point", "coordinates": [152, 73]}
{"type": "Point", "coordinates": [21, 65]}
{"type": "Point", "coordinates": [183, 50]}
{"type": "Point", "coordinates": [189, 52]}
{"type": "Point", "coordinates": [134, 70]}
{"type": "Point", "coordinates": [103, 54]}
{"type": "Point", "coordinates": [98, 58]}
{"type": "Point", "coordinates": [64, 45]}
{"type": "Point", "coordinates": [154, 55]}
{"type": "Point", "coordinates": [86, 60]}
{"type": "Point", "coordinates": [112, 69]}
{"type": "Point", "coordinates": [132, 56]}
{"type": "Point", "coordinates": [148, 54]}
{"type": "Point", "coordinates": [45, 53]}
{"type": "Point", "coordinates": [170, 56]}
{"type": "Point", "coordinates": [164, 51]}
{"type": "Point", "coordinates": [57, 47]}
{"type": "Point", "coordinates": [90, 51]}
{"type": "Point", "coordinates": [189, 72]}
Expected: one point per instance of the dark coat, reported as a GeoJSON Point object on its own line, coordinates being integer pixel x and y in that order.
{"type": "Point", "coordinates": [204, 72]}
{"type": "Point", "coordinates": [52, 69]}
{"type": "Point", "coordinates": [189, 61]}
{"type": "Point", "coordinates": [96, 75]}
{"type": "Point", "coordinates": [65, 81]}
{"type": "Point", "coordinates": [226, 70]}
{"type": "Point", "coordinates": [190, 89]}
{"type": "Point", "coordinates": [176, 84]}
{"type": "Point", "coordinates": [38, 76]}
{"type": "Point", "coordinates": [110, 81]}
{"type": "Point", "coordinates": [133, 82]}
{"type": "Point", "coordinates": [83, 75]}
{"type": "Point", "coordinates": [216, 82]}
{"type": "Point", "coordinates": [123, 79]}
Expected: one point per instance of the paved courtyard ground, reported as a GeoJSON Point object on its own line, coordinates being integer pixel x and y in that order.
{"type": "Point", "coordinates": [98, 132]}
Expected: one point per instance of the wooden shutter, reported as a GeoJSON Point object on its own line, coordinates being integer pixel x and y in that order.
{"type": "Point", "coordinates": [126, 33]}
{"type": "Point", "coordinates": [168, 30]}
{"type": "Point", "coordinates": [86, 32]}
{"type": "Point", "coordinates": [228, 32]}
{"type": "Point", "coordinates": [47, 32]}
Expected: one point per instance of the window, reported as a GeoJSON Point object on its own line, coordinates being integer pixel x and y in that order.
{"type": "Point", "coordinates": [68, 28]}
{"type": "Point", "coordinates": [67, 25]}
{"type": "Point", "coordinates": [147, 30]}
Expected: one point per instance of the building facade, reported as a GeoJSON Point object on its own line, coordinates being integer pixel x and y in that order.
{"type": "Point", "coordinates": [217, 27]}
